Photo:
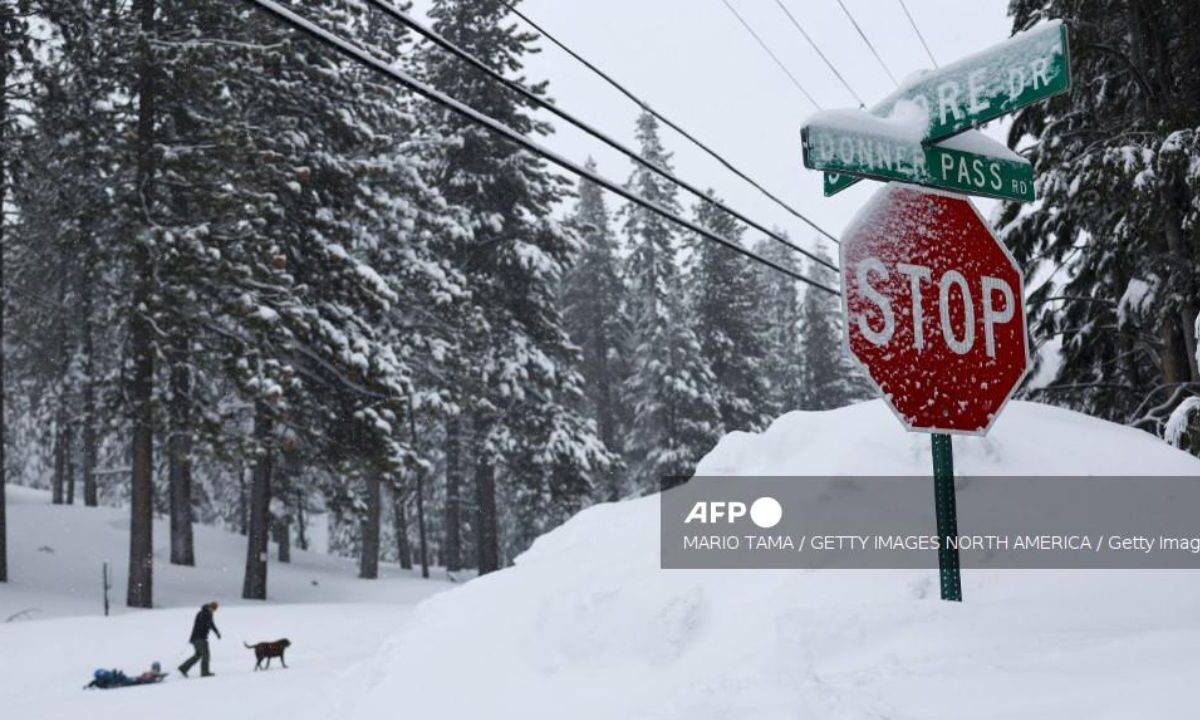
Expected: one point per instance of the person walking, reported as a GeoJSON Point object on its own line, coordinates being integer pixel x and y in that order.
{"type": "Point", "coordinates": [200, 629]}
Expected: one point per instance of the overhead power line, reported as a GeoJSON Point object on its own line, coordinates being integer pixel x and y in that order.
{"type": "Point", "coordinates": [867, 40]}
{"type": "Point", "coordinates": [358, 55]}
{"type": "Point", "coordinates": [834, 70]}
{"type": "Point", "coordinates": [917, 30]}
{"type": "Point", "coordinates": [645, 106]}
{"type": "Point", "coordinates": [439, 40]}
{"type": "Point", "coordinates": [769, 52]}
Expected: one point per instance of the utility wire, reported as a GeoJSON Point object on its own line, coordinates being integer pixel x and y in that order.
{"type": "Point", "coordinates": [870, 46]}
{"type": "Point", "coordinates": [357, 54]}
{"type": "Point", "coordinates": [439, 40]}
{"type": "Point", "coordinates": [768, 51]}
{"type": "Point", "coordinates": [645, 106]}
{"type": "Point", "coordinates": [917, 30]}
{"type": "Point", "coordinates": [797, 25]}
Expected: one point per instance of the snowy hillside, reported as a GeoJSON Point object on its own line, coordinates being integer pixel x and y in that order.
{"type": "Point", "coordinates": [587, 625]}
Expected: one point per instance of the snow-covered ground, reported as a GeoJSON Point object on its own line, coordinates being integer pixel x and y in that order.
{"type": "Point", "coordinates": [60, 636]}
{"type": "Point", "coordinates": [587, 625]}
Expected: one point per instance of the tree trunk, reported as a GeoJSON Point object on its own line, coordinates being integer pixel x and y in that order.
{"type": "Point", "coordinates": [1183, 264]}
{"type": "Point", "coordinates": [5, 13]}
{"type": "Point", "coordinates": [452, 548]}
{"type": "Point", "coordinates": [486, 540]}
{"type": "Point", "coordinates": [400, 529]}
{"type": "Point", "coordinates": [284, 488]}
{"type": "Point", "coordinates": [243, 502]}
{"type": "Point", "coordinates": [283, 539]}
{"type": "Point", "coordinates": [62, 433]}
{"type": "Point", "coordinates": [254, 586]}
{"type": "Point", "coordinates": [1175, 366]}
{"type": "Point", "coordinates": [141, 539]}
{"type": "Point", "coordinates": [179, 453]}
{"type": "Point", "coordinates": [422, 537]}
{"type": "Point", "coordinates": [58, 479]}
{"type": "Point", "coordinates": [3, 509]}
{"type": "Point", "coordinates": [301, 522]}
{"type": "Point", "coordinates": [369, 561]}
{"type": "Point", "coordinates": [486, 535]}
{"type": "Point", "coordinates": [70, 468]}
{"type": "Point", "coordinates": [607, 417]}
{"type": "Point", "coordinates": [87, 292]}
{"type": "Point", "coordinates": [88, 414]}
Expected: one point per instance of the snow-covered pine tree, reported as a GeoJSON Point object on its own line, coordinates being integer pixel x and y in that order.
{"type": "Point", "coordinates": [358, 240]}
{"type": "Point", "coordinates": [520, 389]}
{"type": "Point", "coordinates": [779, 313]}
{"type": "Point", "coordinates": [73, 216]}
{"type": "Point", "coordinates": [725, 304]}
{"type": "Point", "coordinates": [595, 304]}
{"type": "Point", "coordinates": [1115, 227]}
{"type": "Point", "coordinates": [15, 52]}
{"type": "Point", "coordinates": [831, 380]}
{"type": "Point", "coordinates": [676, 417]}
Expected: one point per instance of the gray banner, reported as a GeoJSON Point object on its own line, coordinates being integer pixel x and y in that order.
{"type": "Point", "coordinates": [888, 522]}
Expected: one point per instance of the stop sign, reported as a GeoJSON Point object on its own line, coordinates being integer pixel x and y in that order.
{"type": "Point", "coordinates": [933, 309]}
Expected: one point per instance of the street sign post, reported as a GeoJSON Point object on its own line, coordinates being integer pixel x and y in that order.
{"type": "Point", "coordinates": [933, 314]}
{"type": "Point", "coordinates": [1028, 67]}
{"type": "Point", "coordinates": [931, 299]}
{"type": "Point", "coordinates": [869, 147]}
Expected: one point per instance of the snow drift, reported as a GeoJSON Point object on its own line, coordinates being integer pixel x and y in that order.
{"type": "Point", "coordinates": [586, 625]}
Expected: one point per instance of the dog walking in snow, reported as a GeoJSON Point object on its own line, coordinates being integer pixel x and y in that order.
{"type": "Point", "coordinates": [268, 650]}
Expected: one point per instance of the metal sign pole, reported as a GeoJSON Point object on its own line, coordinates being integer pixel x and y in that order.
{"type": "Point", "coordinates": [947, 517]}
{"type": "Point", "coordinates": [104, 581]}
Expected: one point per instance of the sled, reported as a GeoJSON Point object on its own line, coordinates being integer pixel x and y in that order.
{"type": "Point", "coordinates": [110, 679]}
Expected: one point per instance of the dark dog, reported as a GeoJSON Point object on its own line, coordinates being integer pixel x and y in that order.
{"type": "Point", "coordinates": [268, 650]}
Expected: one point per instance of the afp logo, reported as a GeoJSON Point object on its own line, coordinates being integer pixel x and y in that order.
{"type": "Point", "coordinates": [765, 512]}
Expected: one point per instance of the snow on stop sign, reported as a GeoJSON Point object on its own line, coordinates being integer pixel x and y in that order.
{"type": "Point", "coordinates": [933, 309]}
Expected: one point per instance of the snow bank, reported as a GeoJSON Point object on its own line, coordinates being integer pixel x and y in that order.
{"type": "Point", "coordinates": [587, 625]}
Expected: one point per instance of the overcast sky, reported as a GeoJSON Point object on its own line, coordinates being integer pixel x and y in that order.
{"type": "Point", "coordinates": [693, 62]}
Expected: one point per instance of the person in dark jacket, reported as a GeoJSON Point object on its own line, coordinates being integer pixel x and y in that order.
{"type": "Point", "coordinates": [200, 629]}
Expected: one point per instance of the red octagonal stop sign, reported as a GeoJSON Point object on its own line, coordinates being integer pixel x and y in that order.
{"type": "Point", "coordinates": [933, 309]}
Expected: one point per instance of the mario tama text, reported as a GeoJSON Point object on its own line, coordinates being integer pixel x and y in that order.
{"type": "Point", "coordinates": [991, 543]}
{"type": "Point", "coordinates": [887, 522]}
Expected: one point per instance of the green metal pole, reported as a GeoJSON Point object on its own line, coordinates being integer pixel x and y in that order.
{"type": "Point", "coordinates": [947, 517]}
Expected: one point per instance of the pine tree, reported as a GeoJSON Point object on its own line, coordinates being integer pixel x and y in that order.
{"type": "Point", "coordinates": [1117, 160]}
{"type": "Point", "coordinates": [15, 50]}
{"type": "Point", "coordinates": [141, 341]}
{"type": "Point", "coordinates": [779, 312]}
{"type": "Point", "coordinates": [676, 417]}
{"type": "Point", "coordinates": [831, 380]}
{"type": "Point", "coordinates": [521, 393]}
{"type": "Point", "coordinates": [71, 205]}
{"type": "Point", "coordinates": [594, 311]}
{"type": "Point", "coordinates": [725, 306]}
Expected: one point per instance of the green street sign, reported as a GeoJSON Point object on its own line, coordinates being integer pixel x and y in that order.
{"type": "Point", "coordinates": [1028, 67]}
{"type": "Point", "coordinates": [969, 163]}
